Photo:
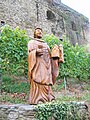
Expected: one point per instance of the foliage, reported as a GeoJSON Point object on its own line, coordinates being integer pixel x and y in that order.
{"type": "Point", "coordinates": [14, 91]}
{"type": "Point", "coordinates": [9, 98]}
{"type": "Point", "coordinates": [14, 50]}
{"type": "Point", "coordinates": [15, 87]}
{"type": "Point", "coordinates": [77, 61]}
{"type": "Point", "coordinates": [59, 111]}
{"type": "Point", "coordinates": [51, 40]}
{"type": "Point", "coordinates": [10, 86]}
{"type": "Point", "coordinates": [14, 54]}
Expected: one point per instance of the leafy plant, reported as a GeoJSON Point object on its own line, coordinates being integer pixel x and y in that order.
{"type": "Point", "coordinates": [51, 40]}
{"type": "Point", "coordinates": [58, 111]}
{"type": "Point", "coordinates": [14, 54]}
{"type": "Point", "coordinates": [77, 60]}
{"type": "Point", "coordinates": [14, 49]}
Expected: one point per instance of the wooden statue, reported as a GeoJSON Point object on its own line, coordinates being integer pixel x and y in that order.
{"type": "Point", "coordinates": [43, 68]}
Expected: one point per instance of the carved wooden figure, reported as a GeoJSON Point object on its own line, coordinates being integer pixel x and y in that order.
{"type": "Point", "coordinates": [43, 68]}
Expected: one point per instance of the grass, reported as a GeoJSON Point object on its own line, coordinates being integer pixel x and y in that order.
{"type": "Point", "coordinates": [6, 98]}
{"type": "Point", "coordinates": [15, 87]}
{"type": "Point", "coordinates": [58, 87]}
{"type": "Point", "coordinates": [87, 87]}
{"type": "Point", "coordinates": [23, 98]}
{"type": "Point", "coordinates": [18, 92]}
{"type": "Point", "coordinates": [10, 85]}
{"type": "Point", "coordinates": [85, 97]}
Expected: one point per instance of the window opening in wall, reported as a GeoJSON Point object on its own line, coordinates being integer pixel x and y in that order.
{"type": "Point", "coordinates": [83, 33]}
{"type": "Point", "coordinates": [37, 10]}
{"type": "Point", "coordinates": [73, 25]}
{"type": "Point", "coordinates": [77, 35]}
{"type": "Point", "coordinates": [2, 23]}
{"type": "Point", "coordinates": [50, 15]}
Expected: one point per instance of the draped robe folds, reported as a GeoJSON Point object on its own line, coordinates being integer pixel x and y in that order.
{"type": "Point", "coordinates": [57, 57]}
{"type": "Point", "coordinates": [40, 72]}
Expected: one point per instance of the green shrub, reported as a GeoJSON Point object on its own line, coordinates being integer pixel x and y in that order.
{"type": "Point", "coordinates": [14, 54]}
{"type": "Point", "coordinates": [51, 40]}
{"type": "Point", "coordinates": [59, 111]}
{"type": "Point", "coordinates": [77, 60]}
{"type": "Point", "coordinates": [14, 49]}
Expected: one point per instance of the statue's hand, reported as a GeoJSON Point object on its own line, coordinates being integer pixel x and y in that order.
{"type": "Point", "coordinates": [39, 51]}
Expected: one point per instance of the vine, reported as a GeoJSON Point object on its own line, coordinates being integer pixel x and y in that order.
{"type": "Point", "coordinates": [13, 44]}
{"type": "Point", "coordinates": [76, 58]}
{"type": "Point", "coordinates": [58, 111]}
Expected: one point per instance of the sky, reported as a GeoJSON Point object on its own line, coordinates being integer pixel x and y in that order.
{"type": "Point", "coordinates": [81, 6]}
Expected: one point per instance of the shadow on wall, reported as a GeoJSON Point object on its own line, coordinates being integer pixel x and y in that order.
{"type": "Point", "coordinates": [89, 38]}
{"type": "Point", "coordinates": [2, 23]}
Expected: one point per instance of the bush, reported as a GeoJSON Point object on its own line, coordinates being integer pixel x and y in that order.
{"type": "Point", "coordinates": [14, 49]}
{"type": "Point", "coordinates": [14, 54]}
{"type": "Point", "coordinates": [77, 61]}
{"type": "Point", "coordinates": [58, 111]}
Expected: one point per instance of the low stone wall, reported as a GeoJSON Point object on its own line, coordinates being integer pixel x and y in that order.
{"type": "Point", "coordinates": [27, 112]}
{"type": "Point", "coordinates": [17, 112]}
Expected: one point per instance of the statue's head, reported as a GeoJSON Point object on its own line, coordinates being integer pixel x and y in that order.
{"type": "Point", "coordinates": [38, 33]}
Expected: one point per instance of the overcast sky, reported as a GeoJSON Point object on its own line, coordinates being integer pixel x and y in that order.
{"type": "Point", "coordinates": [81, 6]}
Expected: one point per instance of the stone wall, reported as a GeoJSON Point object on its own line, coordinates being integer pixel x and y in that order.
{"type": "Point", "coordinates": [17, 112]}
{"type": "Point", "coordinates": [27, 112]}
{"type": "Point", "coordinates": [53, 16]}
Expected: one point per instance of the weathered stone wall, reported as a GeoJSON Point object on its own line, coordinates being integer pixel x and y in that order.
{"type": "Point", "coordinates": [27, 112]}
{"type": "Point", "coordinates": [17, 112]}
{"type": "Point", "coordinates": [53, 16]}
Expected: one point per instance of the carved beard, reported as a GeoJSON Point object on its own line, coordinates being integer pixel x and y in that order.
{"type": "Point", "coordinates": [39, 37]}
{"type": "Point", "coordinates": [36, 36]}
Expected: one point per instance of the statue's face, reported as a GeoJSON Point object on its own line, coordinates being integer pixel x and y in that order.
{"type": "Point", "coordinates": [38, 33]}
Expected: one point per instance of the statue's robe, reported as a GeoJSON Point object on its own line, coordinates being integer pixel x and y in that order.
{"type": "Point", "coordinates": [57, 58]}
{"type": "Point", "coordinates": [40, 72]}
